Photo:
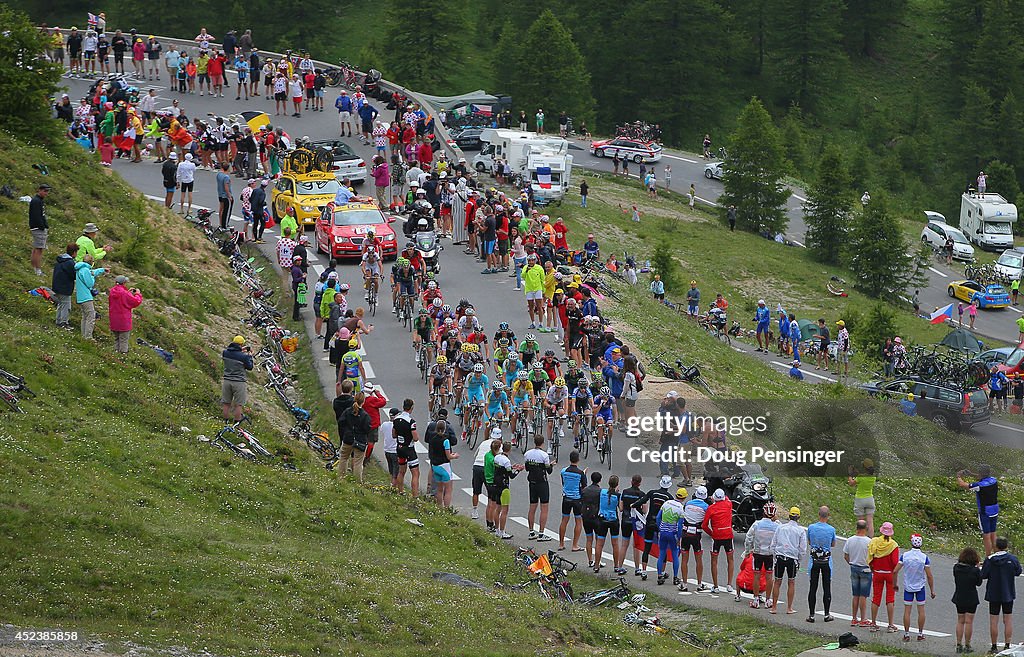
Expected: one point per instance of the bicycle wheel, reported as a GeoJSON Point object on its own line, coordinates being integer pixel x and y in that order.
{"type": "Point", "coordinates": [604, 445]}
{"type": "Point", "coordinates": [584, 442]}
{"type": "Point", "coordinates": [473, 437]}
{"type": "Point", "coordinates": [10, 399]}
{"type": "Point", "coordinates": [554, 446]}
{"type": "Point", "coordinates": [372, 303]}
{"type": "Point", "coordinates": [607, 451]}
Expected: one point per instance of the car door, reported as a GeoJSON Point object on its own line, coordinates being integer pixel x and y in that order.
{"type": "Point", "coordinates": [322, 232]}
{"type": "Point", "coordinates": [283, 198]}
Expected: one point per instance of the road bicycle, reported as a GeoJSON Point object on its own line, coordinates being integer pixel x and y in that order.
{"type": "Point", "coordinates": [557, 433]}
{"type": "Point", "coordinates": [582, 432]}
{"type": "Point", "coordinates": [255, 447]}
{"type": "Point", "coordinates": [317, 441]}
{"type": "Point", "coordinates": [425, 358]}
{"type": "Point", "coordinates": [405, 311]}
{"type": "Point", "coordinates": [473, 422]}
{"type": "Point", "coordinates": [372, 288]}
{"type": "Point", "coordinates": [601, 597]}
{"type": "Point", "coordinates": [604, 445]}
{"type": "Point", "coordinates": [13, 389]}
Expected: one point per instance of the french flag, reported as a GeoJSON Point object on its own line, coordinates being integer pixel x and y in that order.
{"type": "Point", "coordinates": [941, 315]}
{"type": "Point", "coordinates": [544, 177]}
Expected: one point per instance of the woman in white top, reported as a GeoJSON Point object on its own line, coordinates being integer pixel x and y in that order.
{"type": "Point", "coordinates": [518, 252]}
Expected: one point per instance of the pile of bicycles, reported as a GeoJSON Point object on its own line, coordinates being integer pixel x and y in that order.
{"type": "Point", "coordinates": [639, 131]}
{"type": "Point", "coordinates": [679, 372]}
{"type": "Point", "coordinates": [13, 389]}
{"type": "Point", "coordinates": [943, 366]}
{"type": "Point", "coordinates": [986, 273]}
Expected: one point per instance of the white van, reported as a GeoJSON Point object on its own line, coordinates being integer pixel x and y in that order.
{"type": "Point", "coordinates": [987, 220]}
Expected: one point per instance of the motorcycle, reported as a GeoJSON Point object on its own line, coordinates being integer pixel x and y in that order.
{"type": "Point", "coordinates": [430, 249]}
{"type": "Point", "coordinates": [749, 489]}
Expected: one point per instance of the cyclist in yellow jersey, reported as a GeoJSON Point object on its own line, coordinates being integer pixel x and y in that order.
{"type": "Point", "coordinates": [522, 398]}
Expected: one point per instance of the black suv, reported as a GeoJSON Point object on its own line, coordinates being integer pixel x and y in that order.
{"type": "Point", "coordinates": [943, 404]}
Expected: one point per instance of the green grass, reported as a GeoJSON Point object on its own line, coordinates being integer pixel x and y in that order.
{"type": "Point", "coordinates": [118, 522]}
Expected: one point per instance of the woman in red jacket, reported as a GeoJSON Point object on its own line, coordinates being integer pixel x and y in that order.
{"type": "Point", "coordinates": [122, 301]}
{"type": "Point", "coordinates": [425, 154]}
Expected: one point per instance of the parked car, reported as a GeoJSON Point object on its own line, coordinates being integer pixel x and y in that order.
{"type": "Point", "coordinates": [346, 163]}
{"type": "Point", "coordinates": [1010, 263]}
{"type": "Point", "coordinates": [996, 356]}
{"type": "Point", "coordinates": [630, 149]}
{"type": "Point", "coordinates": [1014, 363]}
{"type": "Point", "coordinates": [937, 230]}
{"type": "Point", "coordinates": [945, 405]}
{"type": "Point", "coordinates": [468, 139]}
{"type": "Point", "coordinates": [713, 170]}
{"type": "Point", "coordinates": [340, 230]}
{"type": "Point", "coordinates": [991, 295]}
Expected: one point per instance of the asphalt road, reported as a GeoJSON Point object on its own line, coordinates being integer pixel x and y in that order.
{"type": "Point", "coordinates": [389, 361]}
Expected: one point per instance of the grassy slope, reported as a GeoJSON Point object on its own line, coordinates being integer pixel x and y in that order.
{"type": "Point", "coordinates": [119, 523]}
{"type": "Point", "coordinates": [702, 245]}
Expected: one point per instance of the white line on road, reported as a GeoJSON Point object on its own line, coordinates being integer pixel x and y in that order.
{"type": "Point", "coordinates": [799, 198]}
{"type": "Point", "coordinates": [681, 159]}
{"type": "Point", "coordinates": [370, 374]}
{"type": "Point", "coordinates": [817, 376]}
{"type": "Point", "coordinates": [1006, 426]}
{"type": "Point", "coordinates": [938, 272]}
{"type": "Point", "coordinates": [1016, 310]}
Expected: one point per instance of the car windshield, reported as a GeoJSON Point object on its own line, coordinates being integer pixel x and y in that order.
{"type": "Point", "coordinates": [1010, 260]}
{"type": "Point", "coordinates": [358, 218]}
{"type": "Point", "coordinates": [957, 236]}
{"type": "Point", "coordinates": [315, 187]}
{"type": "Point", "coordinates": [1015, 357]}
{"type": "Point", "coordinates": [997, 228]}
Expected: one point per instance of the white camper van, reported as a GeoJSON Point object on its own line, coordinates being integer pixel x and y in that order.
{"type": "Point", "coordinates": [987, 220]}
{"type": "Point", "coordinates": [543, 161]}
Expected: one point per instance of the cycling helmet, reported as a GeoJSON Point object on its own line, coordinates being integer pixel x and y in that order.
{"type": "Point", "coordinates": [605, 391]}
{"type": "Point", "coordinates": [453, 334]}
{"type": "Point", "coordinates": [769, 509]}
{"type": "Point", "coordinates": [584, 382]}
{"type": "Point", "coordinates": [403, 262]}
{"type": "Point", "coordinates": [522, 375]}
{"type": "Point", "coordinates": [423, 311]}
{"type": "Point", "coordinates": [545, 234]}
{"type": "Point", "coordinates": [431, 275]}
{"type": "Point", "coordinates": [448, 321]}
{"type": "Point", "coordinates": [503, 326]}
{"type": "Point", "coordinates": [353, 344]}
{"type": "Point", "coordinates": [549, 352]}
{"type": "Point", "coordinates": [442, 360]}
{"type": "Point", "coordinates": [410, 246]}
{"type": "Point", "coordinates": [478, 368]}
{"type": "Point", "coordinates": [572, 365]}
{"type": "Point", "coordinates": [370, 232]}
{"type": "Point", "coordinates": [345, 287]}
{"type": "Point", "coordinates": [560, 381]}
{"type": "Point", "coordinates": [437, 300]}
{"type": "Point", "coordinates": [476, 348]}
{"type": "Point", "coordinates": [421, 191]}
{"type": "Point", "coordinates": [470, 312]}
{"type": "Point", "coordinates": [465, 348]}
{"type": "Point", "coordinates": [499, 385]}
{"type": "Point", "coordinates": [530, 337]}
{"type": "Point", "coordinates": [446, 309]}
{"type": "Point", "coordinates": [502, 342]}
{"type": "Point", "coordinates": [537, 366]}
{"type": "Point", "coordinates": [463, 302]}
{"type": "Point", "coordinates": [432, 285]}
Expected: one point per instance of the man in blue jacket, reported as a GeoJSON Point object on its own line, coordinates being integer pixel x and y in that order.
{"type": "Point", "coordinates": [233, 393]}
{"type": "Point", "coordinates": [367, 115]}
{"type": "Point", "coordinates": [63, 284]}
{"type": "Point", "coordinates": [1000, 569]}
{"type": "Point", "coordinates": [612, 372]}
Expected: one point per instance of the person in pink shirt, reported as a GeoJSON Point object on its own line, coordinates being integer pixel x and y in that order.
{"type": "Point", "coordinates": [138, 58]}
{"type": "Point", "coordinates": [122, 302]}
{"type": "Point", "coordinates": [381, 178]}
{"type": "Point", "coordinates": [972, 311]}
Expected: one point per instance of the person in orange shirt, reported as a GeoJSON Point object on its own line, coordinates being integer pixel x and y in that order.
{"type": "Point", "coordinates": [721, 302]}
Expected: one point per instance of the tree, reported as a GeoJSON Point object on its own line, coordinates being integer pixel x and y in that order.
{"type": "Point", "coordinates": [749, 33]}
{"type": "Point", "coordinates": [1002, 179]}
{"type": "Point", "coordinates": [425, 43]}
{"type": "Point", "coordinates": [27, 79]}
{"type": "Point", "coordinates": [878, 252]}
{"type": "Point", "coordinates": [794, 139]}
{"type": "Point", "coordinates": [664, 263]}
{"type": "Point", "coordinates": [1010, 128]}
{"type": "Point", "coordinates": [505, 57]}
{"type": "Point", "coordinates": [997, 57]}
{"type": "Point", "coordinates": [828, 207]}
{"type": "Point", "coordinates": [754, 171]}
{"type": "Point", "coordinates": [975, 130]}
{"type": "Point", "coordinates": [864, 20]}
{"type": "Point", "coordinates": [551, 73]}
{"type": "Point", "coordinates": [805, 51]}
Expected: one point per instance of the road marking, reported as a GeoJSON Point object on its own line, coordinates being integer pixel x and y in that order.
{"type": "Point", "coordinates": [800, 244]}
{"type": "Point", "coordinates": [704, 200]}
{"type": "Point", "coordinates": [817, 376]}
{"type": "Point", "coordinates": [1006, 426]}
{"type": "Point", "coordinates": [798, 197]}
{"type": "Point", "coordinates": [681, 159]}
{"type": "Point", "coordinates": [368, 369]}
{"type": "Point", "coordinates": [938, 272]}
{"type": "Point", "coordinates": [319, 269]}
{"type": "Point", "coordinates": [1016, 310]}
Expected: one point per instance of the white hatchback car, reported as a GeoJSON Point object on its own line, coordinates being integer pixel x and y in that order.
{"type": "Point", "coordinates": [346, 163]}
{"type": "Point", "coordinates": [713, 170]}
{"type": "Point", "coordinates": [937, 230]}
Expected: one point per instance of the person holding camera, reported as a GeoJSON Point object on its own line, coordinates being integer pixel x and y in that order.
{"type": "Point", "coordinates": [986, 490]}
{"type": "Point", "coordinates": [237, 359]}
{"type": "Point", "coordinates": [122, 301]}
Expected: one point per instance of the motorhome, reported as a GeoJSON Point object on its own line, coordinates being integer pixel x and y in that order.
{"type": "Point", "coordinates": [987, 220]}
{"type": "Point", "coordinates": [543, 161]}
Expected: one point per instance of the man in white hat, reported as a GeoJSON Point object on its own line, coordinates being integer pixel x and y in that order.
{"type": "Point", "coordinates": [185, 176]}
{"type": "Point", "coordinates": [87, 245]}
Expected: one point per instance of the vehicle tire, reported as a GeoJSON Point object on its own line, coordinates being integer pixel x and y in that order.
{"type": "Point", "coordinates": [598, 152]}
{"type": "Point", "coordinates": [638, 158]}
{"type": "Point", "coordinates": [949, 291]}
{"type": "Point", "coordinates": [942, 420]}
{"type": "Point", "coordinates": [480, 167]}
{"type": "Point", "coordinates": [708, 174]}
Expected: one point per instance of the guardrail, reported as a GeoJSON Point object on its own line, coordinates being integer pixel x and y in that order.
{"type": "Point", "coordinates": [440, 130]}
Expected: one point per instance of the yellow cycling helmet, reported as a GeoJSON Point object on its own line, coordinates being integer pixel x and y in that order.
{"type": "Point", "coordinates": [475, 347]}
{"type": "Point", "coordinates": [466, 348]}
{"type": "Point", "coordinates": [560, 381]}
{"type": "Point", "coordinates": [442, 360]}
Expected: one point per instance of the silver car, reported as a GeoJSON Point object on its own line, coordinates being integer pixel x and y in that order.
{"type": "Point", "coordinates": [713, 170]}
{"type": "Point", "coordinates": [346, 163]}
